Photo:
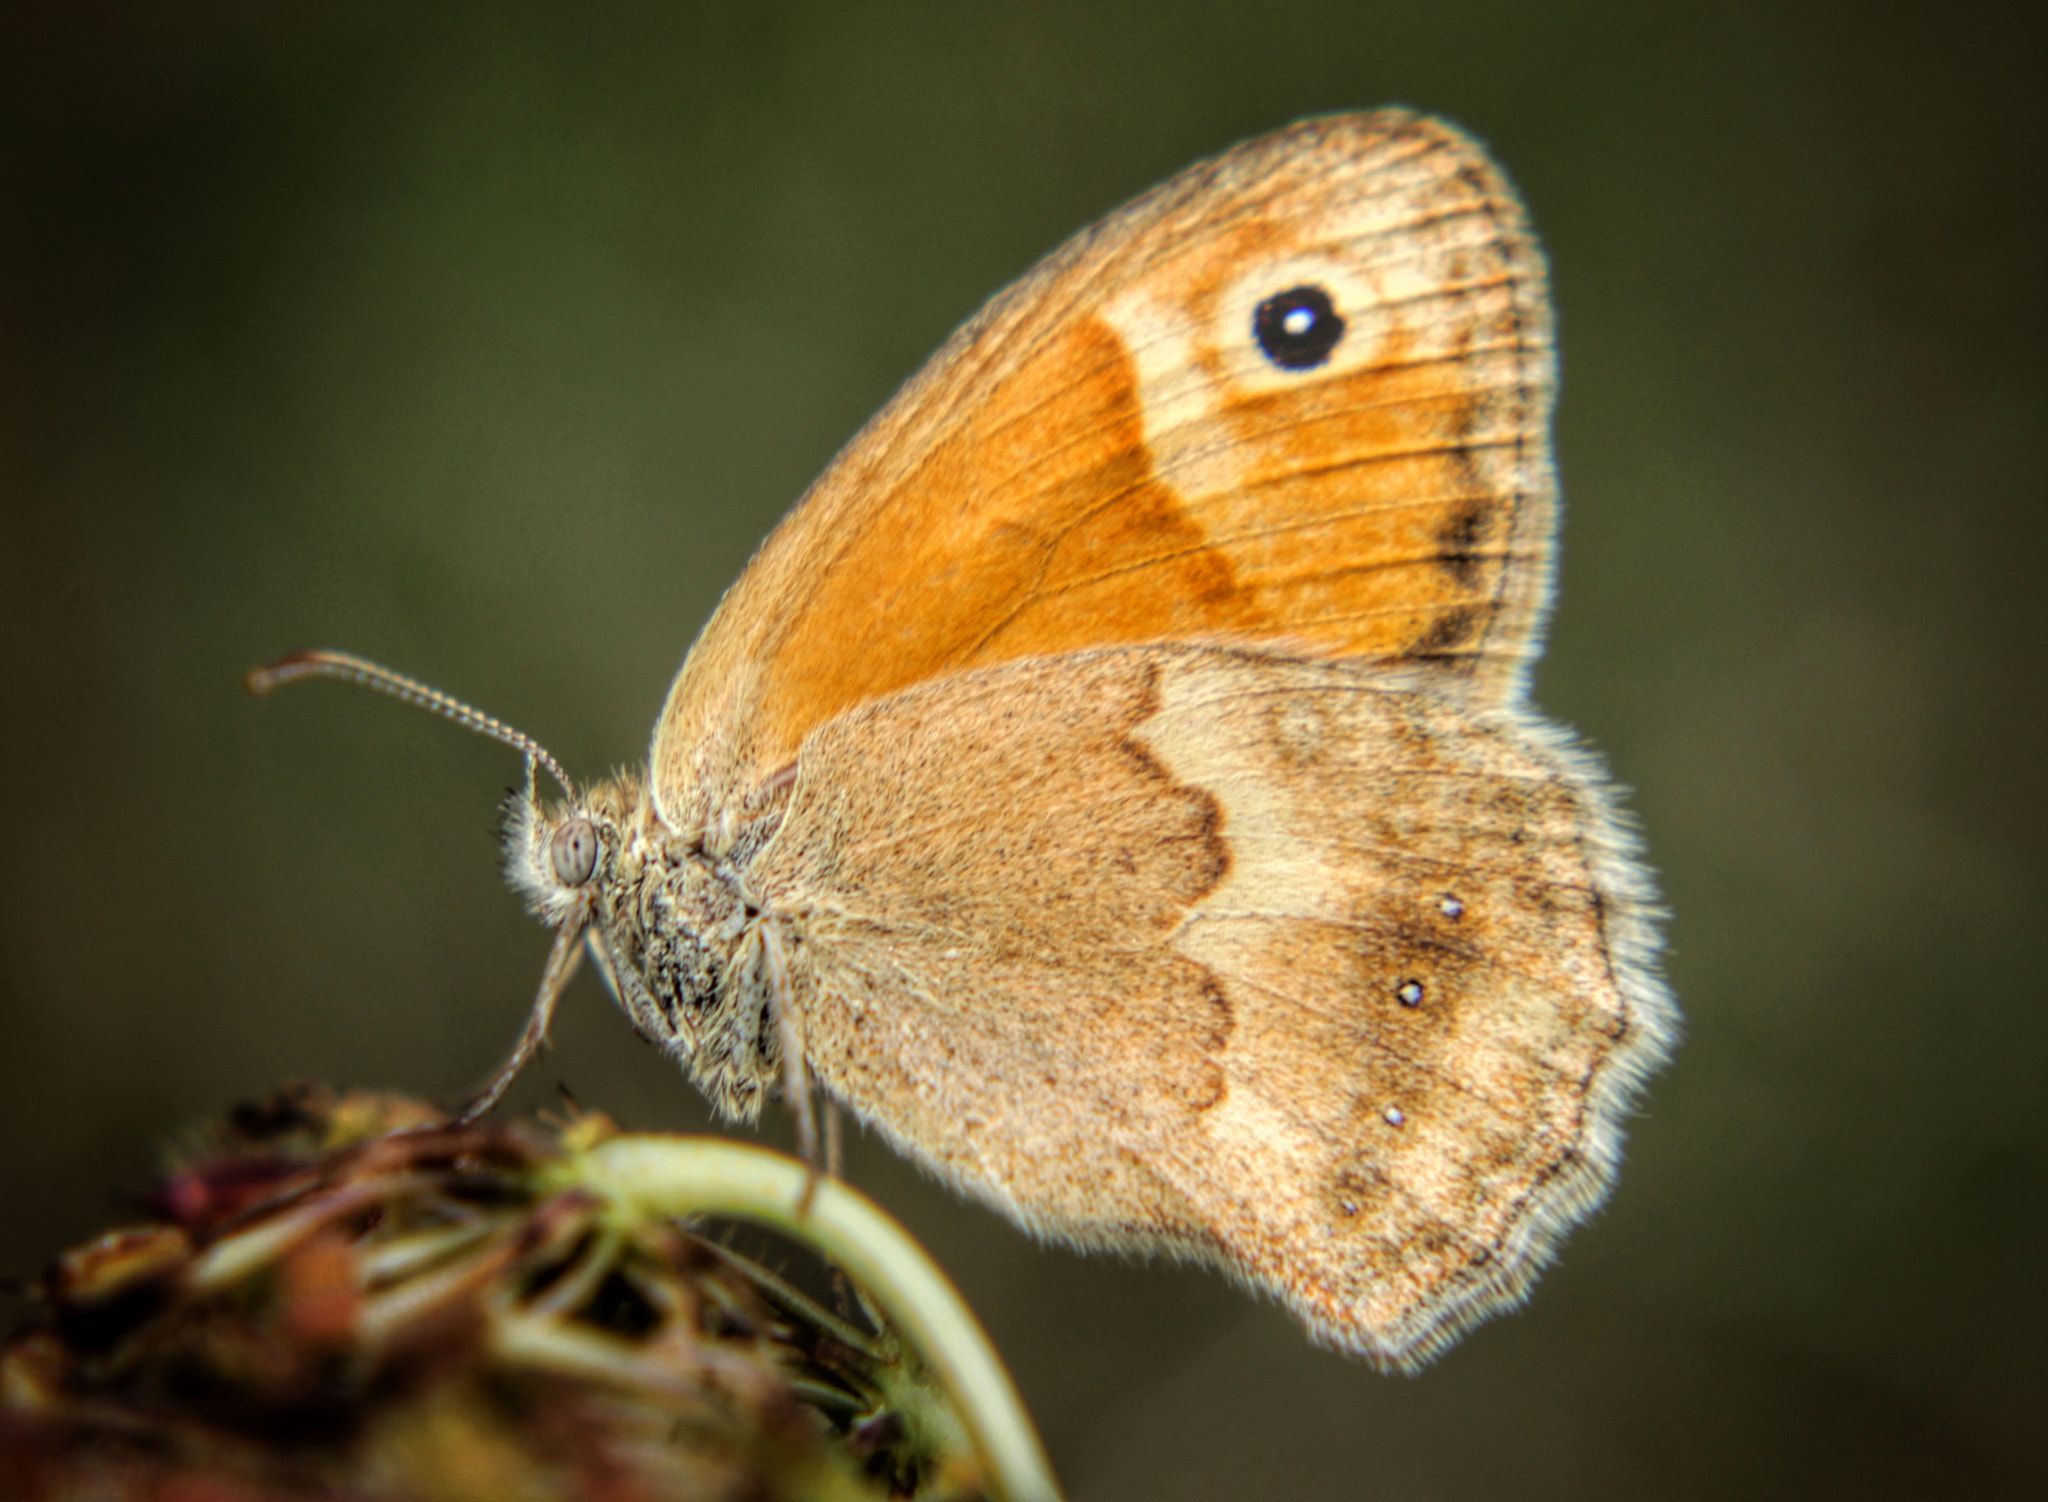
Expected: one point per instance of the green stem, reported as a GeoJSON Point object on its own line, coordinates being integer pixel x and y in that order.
{"type": "Point", "coordinates": [677, 1176]}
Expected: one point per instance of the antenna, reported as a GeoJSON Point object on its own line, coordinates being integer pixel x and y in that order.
{"type": "Point", "coordinates": [359, 670]}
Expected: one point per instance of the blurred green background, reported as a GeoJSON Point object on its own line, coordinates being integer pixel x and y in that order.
{"type": "Point", "coordinates": [487, 340]}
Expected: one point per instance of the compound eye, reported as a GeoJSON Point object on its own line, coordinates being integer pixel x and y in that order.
{"type": "Point", "coordinates": [573, 852]}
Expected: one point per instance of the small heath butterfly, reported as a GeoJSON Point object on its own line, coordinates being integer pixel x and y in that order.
{"type": "Point", "coordinates": [1115, 781]}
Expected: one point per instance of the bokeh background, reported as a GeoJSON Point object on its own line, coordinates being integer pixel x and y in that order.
{"type": "Point", "coordinates": [488, 339]}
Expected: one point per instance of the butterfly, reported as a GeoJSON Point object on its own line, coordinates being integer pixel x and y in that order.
{"type": "Point", "coordinates": [1115, 780]}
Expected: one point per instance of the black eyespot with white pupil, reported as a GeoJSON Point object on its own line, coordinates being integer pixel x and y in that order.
{"type": "Point", "coordinates": [1298, 328]}
{"type": "Point", "coordinates": [573, 852]}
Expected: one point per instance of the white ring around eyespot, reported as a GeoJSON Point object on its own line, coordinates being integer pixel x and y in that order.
{"type": "Point", "coordinates": [1358, 296]}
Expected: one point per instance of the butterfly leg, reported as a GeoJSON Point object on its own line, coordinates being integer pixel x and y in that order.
{"type": "Point", "coordinates": [835, 1147]}
{"type": "Point", "coordinates": [796, 1077]}
{"type": "Point", "coordinates": [563, 960]}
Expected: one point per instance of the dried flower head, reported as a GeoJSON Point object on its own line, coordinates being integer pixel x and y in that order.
{"type": "Point", "coordinates": [353, 1297]}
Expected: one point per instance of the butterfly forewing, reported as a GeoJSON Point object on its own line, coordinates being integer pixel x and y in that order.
{"type": "Point", "coordinates": [1161, 435]}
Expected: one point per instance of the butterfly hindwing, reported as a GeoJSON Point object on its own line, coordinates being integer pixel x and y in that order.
{"type": "Point", "coordinates": [1291, 966]}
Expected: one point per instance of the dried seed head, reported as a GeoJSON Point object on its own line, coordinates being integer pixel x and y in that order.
{"type": "Point", "coordinates": [351, 1296]}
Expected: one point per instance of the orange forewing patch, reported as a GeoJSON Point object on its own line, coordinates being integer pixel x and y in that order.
{"type": "Point", "coordinates": [987, 559]}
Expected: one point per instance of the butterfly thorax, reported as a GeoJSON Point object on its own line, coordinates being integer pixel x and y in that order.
{"type": "Point", "coordinates": [670, 925]}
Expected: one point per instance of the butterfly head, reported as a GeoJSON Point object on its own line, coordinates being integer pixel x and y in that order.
{"type": "Point", "coordinates": [563, 855]}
